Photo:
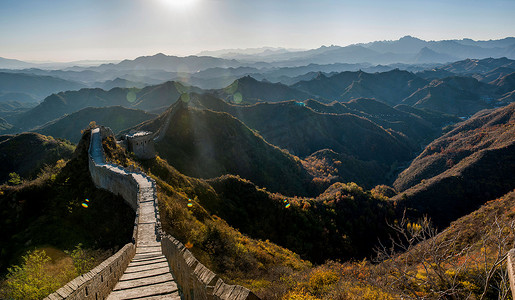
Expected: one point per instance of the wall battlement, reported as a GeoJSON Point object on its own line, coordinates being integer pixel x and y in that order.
{"type": "Point", "coordinates": [197, 281]}
{"type": "Point", "coordinates": [99, 282]}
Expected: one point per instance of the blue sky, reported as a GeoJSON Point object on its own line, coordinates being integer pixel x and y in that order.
{"type": "Point", "coordinates": [66, 30]}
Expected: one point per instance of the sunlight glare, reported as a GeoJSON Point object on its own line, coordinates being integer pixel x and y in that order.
{"type": "Point", "coordinates": [179, 4]}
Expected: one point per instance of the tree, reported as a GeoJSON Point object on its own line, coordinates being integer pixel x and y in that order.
{"type": "Point", "coordinates": [81, 260]}
{"type": "Point", "coordinates": [14, 179]}
{"type": "Point", "coordinates": [30, 279]}
{"type": "Point", "coordinates": [419, 263]}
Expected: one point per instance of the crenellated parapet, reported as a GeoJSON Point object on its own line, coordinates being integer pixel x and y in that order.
{"type": "Point", "coordinates": [99, 282]}
{"type": "Point", "coordinates": [196, 280]}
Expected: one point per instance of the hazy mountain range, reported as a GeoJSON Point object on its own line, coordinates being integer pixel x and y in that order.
{"type": "Point", "coordinates": [308, 154]}
{"type": "Point", "coordinates": [407, 49]}
{"type": "Point", "coordinates": [461, 88]}
{"type": "Point", "coordinates": [216, 69]}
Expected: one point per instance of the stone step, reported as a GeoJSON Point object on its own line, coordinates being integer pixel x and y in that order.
{"type": "Point", "coordinates": [163, 290]}
{"type": "Point", "coordinates": [148, 275]}
{"type": "Point", "coordinates": [136, 275]}
{"type": "Point", "coordinates": [158, 259]}
{"type": "Point", "coordinates": [149, 266]}
{"type": "Point", "coordinates": [148, 250]}
{"type": "Point", "coordinates": [145, 279]}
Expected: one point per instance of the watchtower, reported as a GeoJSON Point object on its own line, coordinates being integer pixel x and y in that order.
{"type": "Point", "coordinates": [142, 144]}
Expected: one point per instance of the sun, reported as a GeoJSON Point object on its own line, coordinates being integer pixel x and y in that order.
{"type": "Point", "coordinates": [179, 4]}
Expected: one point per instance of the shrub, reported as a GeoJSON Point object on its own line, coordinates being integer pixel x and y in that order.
{"type": "Point", "coordinates": [322, 280]}
{"type": "Point", "coordinates": [81, 260]}
{"type": "Point", "coordinates": [14, 179]}
{"type": "Point", "coordinates": [299, 295]}
{"type": "Point", "coordinates": [30, 280]}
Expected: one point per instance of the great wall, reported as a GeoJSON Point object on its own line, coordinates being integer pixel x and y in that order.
{"type": "Point", "coordinates": [154, 265]}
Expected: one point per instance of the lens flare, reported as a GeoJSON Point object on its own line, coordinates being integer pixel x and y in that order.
{"type": "Point", "coordinates": [185, 97]}
{"type": "Point", "coordinates": [287, 205]}
{"type": "Point", "coordinates": [131, 96]}
{"type": "Point", "coordinates": [190, 204]}
{"type": "Point", "coordinates": [85, 205]}
{"type": "Point", "coordinates": [237, 98]}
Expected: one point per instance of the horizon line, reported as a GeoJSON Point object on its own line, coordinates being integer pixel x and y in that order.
{"type": "Point", "coordinates": [199, 53]}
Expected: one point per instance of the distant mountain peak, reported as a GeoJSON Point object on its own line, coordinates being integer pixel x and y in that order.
{"type": "Point", "coordinates": [320, 75]}
{"type": "Point", "coordinates": [409, 38]}
{"type": "Point", "coordinates": [329, 47]}
{"type": "Point", "coordinates": [247, 78]}
{"type": "Point", "coordinates": [426, 55]}
{"type": "Point", "coordinates": [426, 50]}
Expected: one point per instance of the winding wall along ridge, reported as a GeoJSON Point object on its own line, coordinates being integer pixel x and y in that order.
{"type": "Point", "coordinates": [194, 280]}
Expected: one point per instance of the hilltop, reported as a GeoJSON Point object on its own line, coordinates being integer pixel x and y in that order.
{"type": "Point", "coordinates": [486, 70]}
{"type": "Point", "coordinates": [28, 87]}
{"type": "Point", "coordinates": [28, 153]}
{"type": "Point", "coordinates": [55, 106]}
{"type": "Point", "coordinates": [390, 87]}
{"type": "Point", "coordinates": [169, 63]}
{"type": "Point", "coordinates": [449, 94]}
{"type": "Point", "coordinates": [318, 229]}
{"type": "Point", "coordinates": [47, 213]}
{"type": "Point", "coordinates": [461, 170]}
{"type": "Point", "coordinates": [329, 167]}
{"type": "Point", "coordinates": [302, 131]}
{"type": "Point", "coordinates": [248, 90]}
{"type": "Point", "coordinates": [418, 125]}
{"type": "Point", "coordinates": [464, 260]}
{"type": "Point", "coordinates": [478, 66]}
{"type": "Point", "coordinates": [5, 127]}
{"type": "Point", "coordinates": [461, 96]}
{"type": "Point", "coordinates": [115, 117]}
{"type": "Point", "coordinates": [205, 144]}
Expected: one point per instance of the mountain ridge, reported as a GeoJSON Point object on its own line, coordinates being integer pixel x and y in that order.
{"type": "Point", "coordinates": [470, 163]}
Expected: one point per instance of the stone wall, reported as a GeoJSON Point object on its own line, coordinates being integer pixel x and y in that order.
{"type": "Point", "coordinates": [197, 281]}
{"type": "Point", "coordinates": [97, 283]}
{"type": "Point", "coordinates": [117, 183]}
{"type": "Point", "coordinates": [113, 178]}
{"type": "Point", "coordinates": [160, 134]}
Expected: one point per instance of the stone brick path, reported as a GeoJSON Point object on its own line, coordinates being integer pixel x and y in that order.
{"type": "Point", "coordinates": [148, 275]}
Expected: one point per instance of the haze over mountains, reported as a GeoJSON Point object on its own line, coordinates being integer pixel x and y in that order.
{"type": "Point", "coordinates": [405, 50]}
{"type": "Point", "coordinates": [280, 65]}
{"type": "Point", "coordinates": [459, 93]}
{"type": "Point", "coordinates": [314, 150]}
{"type": "Point", "coordinates": [461, 96]}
